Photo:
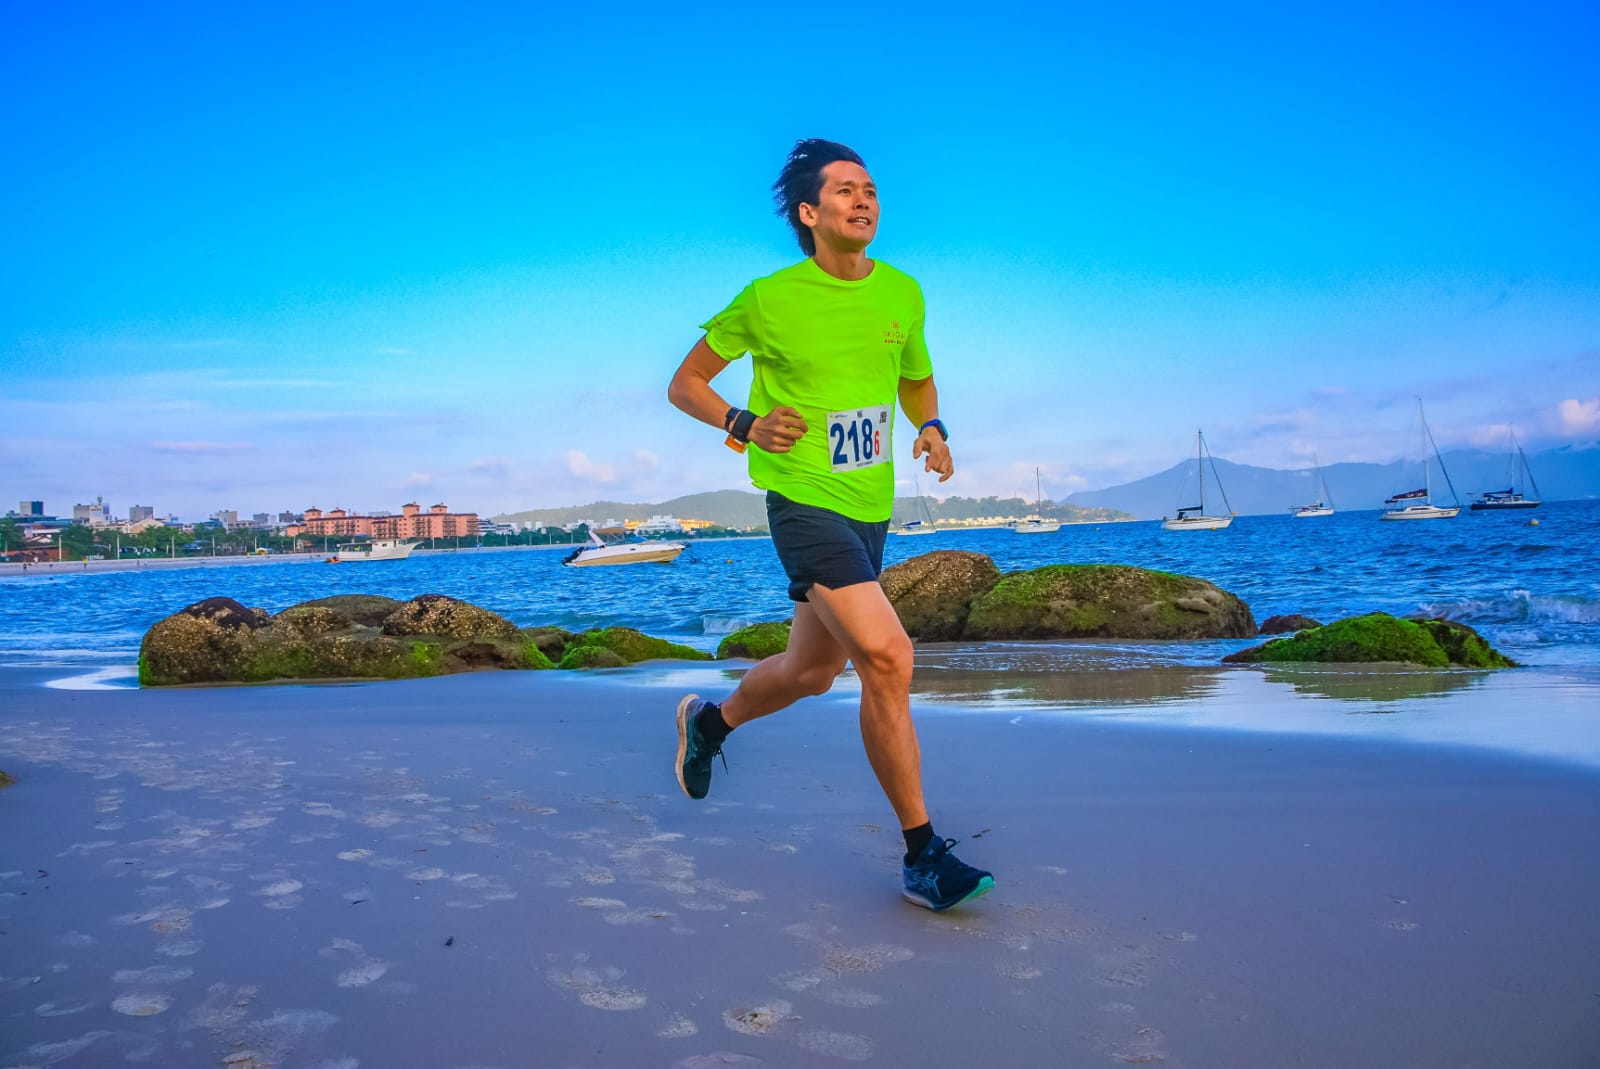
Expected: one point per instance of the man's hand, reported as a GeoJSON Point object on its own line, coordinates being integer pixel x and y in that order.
{"type": "Point", "coordinates": [778, 430]}
{"type": "Point", "coordinates": [931, 444]}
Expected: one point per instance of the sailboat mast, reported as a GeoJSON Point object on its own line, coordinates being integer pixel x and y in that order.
{"type": "Point", "coordinates": [1442, 469]}
{"type": "Point", "coordinates": [1200, 466]}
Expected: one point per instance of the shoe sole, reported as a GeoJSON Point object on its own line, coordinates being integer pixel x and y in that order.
{"type": "Point", "coordinates": [985, 885]}
{"type": "Point", "coordinates": [683, 740]}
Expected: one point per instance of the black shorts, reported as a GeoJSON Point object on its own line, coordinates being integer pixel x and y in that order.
{"type": "Point", "coordinates": [817, 545]}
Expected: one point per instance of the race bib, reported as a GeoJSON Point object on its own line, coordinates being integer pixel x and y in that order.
{"type": "Point", "coordinates": [859, 437]}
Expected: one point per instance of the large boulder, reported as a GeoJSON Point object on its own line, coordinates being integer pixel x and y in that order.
{"type": "Point", "coordinates": [552, 642]}
{"type": "Point", "coordinates": [440, 615]}
{"type": "Point", "coordinates": [1106, 601]}
{"type": "Point", "coordinates": [206, 642]}
{"type": "Point", "coordinates": [1378, 638]}
{"type": "Point", "coordinates": [933, 593]}
{"type": "Point", "coordinates": [756, 642]}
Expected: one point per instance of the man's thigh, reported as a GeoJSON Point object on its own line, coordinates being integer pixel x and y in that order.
{"type": "Point", "coordinates": [859, 618]}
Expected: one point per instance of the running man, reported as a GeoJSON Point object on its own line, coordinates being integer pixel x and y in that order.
{"type": "Point", "coordinates": [836, 339]}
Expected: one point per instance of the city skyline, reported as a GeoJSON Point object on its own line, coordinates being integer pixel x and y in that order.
{"type": "Point", "coordinates": [461, 257]}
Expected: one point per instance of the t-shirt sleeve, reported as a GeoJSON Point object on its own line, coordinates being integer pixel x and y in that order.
{"type": "Point", "coordinates": [736, 329]}
{"type": "Point", "coordinates": [914, 360]}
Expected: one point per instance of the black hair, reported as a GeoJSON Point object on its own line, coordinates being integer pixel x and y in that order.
{"type": "Point", "coordinates": [801, 182]}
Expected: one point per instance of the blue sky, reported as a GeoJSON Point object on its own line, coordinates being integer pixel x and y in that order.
{"type": "Point", "coordinates": [355, 255]}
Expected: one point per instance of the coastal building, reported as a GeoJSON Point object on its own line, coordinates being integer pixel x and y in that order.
{"type": "Point", "coordinates": [140, 512]}
{"type": "Point", "coordinates": [657, 524]}
{"type": "Point", "coordinates": [28, 510]}
{"type": "Point", "coordinates": [95, 515]}
{"type": "Point", "coordinates": [437, 522]}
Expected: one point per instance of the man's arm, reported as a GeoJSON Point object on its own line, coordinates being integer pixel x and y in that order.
{"type": "Point", "coordinates": [690, 390]}
{"type": "Point", "coordinates": [919, 400]}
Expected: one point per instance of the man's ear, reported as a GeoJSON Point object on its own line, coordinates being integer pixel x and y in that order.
{"type": "Point", "coordinates": [808, 213]}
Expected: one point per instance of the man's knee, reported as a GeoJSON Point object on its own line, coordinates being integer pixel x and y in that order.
{"type": "Point", "coordinates": [887, 660]}
{"type": "Point", "coordinates": [817, 679]}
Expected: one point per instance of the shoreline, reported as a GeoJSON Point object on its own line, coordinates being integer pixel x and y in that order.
{"type": "Point", "coordinates": [441, 871]}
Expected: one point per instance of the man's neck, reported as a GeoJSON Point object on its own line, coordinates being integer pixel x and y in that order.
{"type": "Point", "coordinates": [851, 265]}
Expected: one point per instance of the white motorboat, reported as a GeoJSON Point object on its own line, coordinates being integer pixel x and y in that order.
{"type": "Point", "coordinates": [377, 549]}
{"type": "Point", "coordinates": [1418, 504]}
{"type": "Point", "coordinates": [1193, 517]}
{"type": "Point", "coordinates": [1323, 506]}
{"type": "Point", "coordinates": [597, 551]}
{"type": "Point", "coordinates": [1036, 524]}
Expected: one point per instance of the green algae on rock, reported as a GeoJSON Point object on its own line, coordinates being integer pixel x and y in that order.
{"type": "Point", "coordinates": [1106, 601]}
{"type": "Point", "coordinates": [1380, 638]}
{"type": "Point", "coordinates": [222, 641]}
{"type": "Point", "coordinates": [756, 642]}
{"type": "Point", "coordinates": [5, 780]}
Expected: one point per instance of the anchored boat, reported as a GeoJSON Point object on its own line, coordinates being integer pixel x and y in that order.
{"type": "Point", "coordinates": [377, 549]}
{"type": "Point", "coordinates": [1193, 517]}
{"type": "Point", "coordinates": [1418, 504]}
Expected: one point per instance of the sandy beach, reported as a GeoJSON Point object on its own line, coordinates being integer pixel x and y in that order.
{"type": "Point", "coordinates": [498, 870]}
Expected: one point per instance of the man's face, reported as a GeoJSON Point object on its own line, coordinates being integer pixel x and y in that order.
{"type": "Point", "coordinates": [845, 216]}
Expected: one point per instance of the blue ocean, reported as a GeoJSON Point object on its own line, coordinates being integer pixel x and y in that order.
{"type": "Point", "coordinates": [1533, 590]}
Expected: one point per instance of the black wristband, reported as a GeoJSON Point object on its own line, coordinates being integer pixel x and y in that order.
{"type": "Point", "coordinates": [727, 420]}
{"type": "Point", "coordinates": [740, 431]}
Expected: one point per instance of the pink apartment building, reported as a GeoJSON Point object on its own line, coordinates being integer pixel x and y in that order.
{"type": "Point", "coordinates": [437, 522]}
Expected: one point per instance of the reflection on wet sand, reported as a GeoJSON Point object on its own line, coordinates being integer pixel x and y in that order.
{"type": "Point", "coordinates": [1371, 683]}
{"type": "Point", "coordinates": [1055, 674]}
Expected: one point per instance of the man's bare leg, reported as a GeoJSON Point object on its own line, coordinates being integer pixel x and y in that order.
{"type": "Point", "coordinates": [809, 666]}
{"type": "Point", "coordinates": [864, 625]}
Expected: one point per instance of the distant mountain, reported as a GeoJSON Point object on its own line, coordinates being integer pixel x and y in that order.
{"type": "Point", "coordinates": [1563, 474]}
{"type": "Point", "coordinates": [725, 508]}
{"type": "Point", "coordinates": [744, 509]}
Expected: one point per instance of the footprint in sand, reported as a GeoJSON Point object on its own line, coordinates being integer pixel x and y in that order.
{"type": "Point", "coordinates": [759, 1020]}
{"type": "Point", "coordinates": [596, 987]}
{"type": "Point", "coordinates": [360, 969]}
{"type": "Point", "coordinates": [142, 1003]}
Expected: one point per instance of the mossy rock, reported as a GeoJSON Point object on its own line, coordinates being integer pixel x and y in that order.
{"type": "Point", "coordinates": [446, 617]}
{"type": "Point", "coordinates": [1106, 601]}
{"type": "Point", "coordinates": [358, 653]}
{"type": "Point", "coordinates": [757, 642]}
{"type": "Point", "coordinates": [1380, 638]}
{"type": "Point", "coordinates": [312, 620]}
{"type": "Point", "coordinates": [635, 646]}
{"type": "Point", "coordinates": [471, 655]}
{"type": "Point", "coordinates": [552, 641]}
{"type": "Point", "coordinates": [5, 781]}
{"type": "Point", "coordinates": [1464, 646]}
{"type": "Point", "coordinates": [933, 593]}
{"type": "Point", "coordinates": [587, 656]}
{"type": "Point", "coordinates": [202, 643]}
{"type": "Point", "coordinates": [368, 610]}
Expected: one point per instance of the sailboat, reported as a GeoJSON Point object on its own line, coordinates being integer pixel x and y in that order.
{"type": "Point", "coordinates": [1036, 524]}
{"type": "Point", "coordinates": [923, 524]}
{"type": "Point", "coordinates": [1418, 504]}
{"type": "Point", "coordinates": [1512, 496]}
{"type": "Point", "coordinates": [1193, 517]}
{"type": "Point", "coordinates": [1324, 502]}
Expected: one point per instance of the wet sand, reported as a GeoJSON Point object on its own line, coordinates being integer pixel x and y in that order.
{"type": "Point", "coordinates": [498, 870]}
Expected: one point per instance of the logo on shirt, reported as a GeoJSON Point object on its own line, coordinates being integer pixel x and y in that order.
{"type": "Point", "coordinates": [894, 335]}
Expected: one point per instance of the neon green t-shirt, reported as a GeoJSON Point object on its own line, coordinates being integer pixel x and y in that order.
{"type": "Point", "coordinates": [828, 347]}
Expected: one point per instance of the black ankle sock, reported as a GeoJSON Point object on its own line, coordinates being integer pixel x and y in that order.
{"type": "Point", "coordinates": [712, 727]}
{"type": "Point", "coordinates": [917, 840]}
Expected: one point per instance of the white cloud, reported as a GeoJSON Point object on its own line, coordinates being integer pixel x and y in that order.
{"type": "Point", "coordinates": [1574, 416]}
{"type": "Point", "coordinates": [646, 460]}
{"type": "Point", "coordinates": [419, 480]}
{"type": "Point", "coordinates": [579, 465]}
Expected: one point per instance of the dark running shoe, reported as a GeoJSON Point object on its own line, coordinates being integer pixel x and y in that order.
{"type": "Point", "coordinates": [938, 879]}
{"type": "Point", "coordinates": [694, 753]}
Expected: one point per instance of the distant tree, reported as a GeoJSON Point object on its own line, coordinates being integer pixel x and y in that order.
{"type": "Point", "coordinates": [76, 542]}
{"type": "Point", "coordinates": [10, 535]}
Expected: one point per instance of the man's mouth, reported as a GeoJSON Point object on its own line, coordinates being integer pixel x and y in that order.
{"type": "Point", "coordinates": [863, 220]}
